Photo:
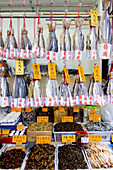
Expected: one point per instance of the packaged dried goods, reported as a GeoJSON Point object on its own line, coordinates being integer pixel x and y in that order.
{"type": "Point", "coordinates": [40, 127]}
{"type": "Point", "coordinates": [28, 117]}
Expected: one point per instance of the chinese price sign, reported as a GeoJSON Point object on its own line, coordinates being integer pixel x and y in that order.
{"type": "Point", "coordinates": [16, 109]}
{"type": "Point", "coordinates": [67, 118]}
{"type": "Point", "coordinates": [19, 139]}
{"type": "Point", "coordinates": [104, 50]}
{"type": "Point", "coordinates": [95, 117]}
{"type": "Point", "coordinates": [112, 138]}
{"type": "Point", "coordinates": [94, 18]}
{"type": "Point", "coordinates": [44, 109]}
{"type": "Point", "coordinates": [61, 109]}
{"type": "Point", "coordinates": [52, 70]}
{"type": "Point", "coordinates": [75, 109]}
{"type": "Point", "coordinates": [97, 74]}
{"type": "Point", "coordinates": [20, 126]}
{"type": "Point", "coordinates": [81, 72]}
{"type": "Point", "coordinates": [43, 140]}
{"type": "Point", "coordinates": [67, 75]}
{"type": "Point", "coordinates": [36, 71]}
{"type": "Point", "coordinates": [42, 119]}
{"type": "Point", "coordinates": [92, 111]}
{"type": "Point", "coordinates": [5, 132]}
{"type": "Point", "coordinates": [95, 138]}
{"type": "Point", "coordinates": [68, 138]}
{"type": "Point", "coordinates": [19, 67]}
{"type": "Point", "coordinates": [27, 109]}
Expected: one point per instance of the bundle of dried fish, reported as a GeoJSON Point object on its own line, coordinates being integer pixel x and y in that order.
{"type": "Point", "coordinates": [78, 40]}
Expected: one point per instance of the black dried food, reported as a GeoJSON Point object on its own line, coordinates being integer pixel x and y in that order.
{"type": "Point", "coordinates": [71, 157]}
{"type": "Point", "coordinates": [67, 127]}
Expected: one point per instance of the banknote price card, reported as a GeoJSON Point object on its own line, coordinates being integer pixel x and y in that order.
{"type": "Point", "coordinates": [95, 117]}
{"type": "Point", "coordinates": [95, 138]}
{"type": "Point", "coordinates": [19, 139]}
{"type": "Point", "coordinates": [20, 126]}
{"type": "Point", "coordinates": [67, 118]}
{"type": "Point", "coordinates": [5, 132]}
{"type": "Point", "coordinates": [42, 119]}
{"type": "Point", "coordinates": [68, 138]}
{"type": "Point", "coordinates": [27, 109]}
{"type": "Point", "coordinates": [61, 109]}
{"type": "Point", "coordinates": [75, 109]}
{"type": "Point", "coordinates": [36, 71]}
{"type": "Point", "coordinates": [44, 109]}
{"type": "Point", "coordinates": [43, 140]}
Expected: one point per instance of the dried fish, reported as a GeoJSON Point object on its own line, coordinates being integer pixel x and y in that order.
{"type": "Point", "coordinates": [98, 126]}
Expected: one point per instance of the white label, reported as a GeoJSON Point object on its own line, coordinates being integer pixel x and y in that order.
{"type": "Point", "coordinates": [49, 101]}
{"type": "Point", "coordinates": [30, 102]}
{"type": "Point", "coordinates": [62, 55]}
{"type": "Point", "coordinates": [81, 99]}
{"type": "Point", "coordinates": [14, 103]}
{"type": "Point", "coordinates": [6, 53]}
{"type": "Point", "coordinates": [38, 102]}
{"type": "Point", "coordinates": [84, 139]}
{"type": "Point", "coordinates": [91, 54]}
{"type": "Point", "coordinates": [103, 100]}
{"type": "Point", "coordinates": [35, 50]}
{"type": "Point", "coordinates": [104, 51]}
{"type": "Point", "coordinates": [76, 100]}
{"type": "Point", "coordinates": [109, 99]}
{"type": "Point", "coordinates": [86, 100]}
{"type": "Point", "coordinates": [90, 100]}
{"type": "Point", "coordinates": [1, 51]}
{"type": "Point", "coordinates": [5, 102]}
{"type": "Point", "coordinates": [77, 55]}
{"type": "Point", "coordinates": [13, 53]}
{"type": "Point", "coordinates": [21, 102]}
{"type": "Point", "coordinates": [42, 52]}
{"type": "Point", "coordinates": [55, 101]}
{"type": "Point", "coordinates": [21, 53]}
{"type": "Point", "coordinates": [68, 55]}
{"type": "Point", "coordinates": [97, 99]}
{"type": "Point", "coordinates": [71, 101]}
{"type": "Point", "coordinates": [66, 102]}
{"type": "Point", "coordinates": [60, 101]}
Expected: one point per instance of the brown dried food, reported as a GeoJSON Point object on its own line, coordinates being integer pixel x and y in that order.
{"type": "Point", "coordinates": [71, 157]}
{"type": "Point", "coordinates": [40, 126]}
{"type": "Point", "coordinates": [12, 159]}
{"type": "Point", "coordinates": [41, 157]}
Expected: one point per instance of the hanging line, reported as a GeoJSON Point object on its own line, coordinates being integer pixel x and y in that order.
{"type": "Point", "coordinates": [38, 18]}
{"type": "Point", "coordinates": [51, 15]}
{"type": "Point", "coordinates": [78, 12]}
{"type": "Point", "coordinates": [10, 26]}
{"type": "Point", "coordinates": [38, 4]}
{"type": "Point", "coordinates": [18, 30]}
{"type": "Point", "coordinates": [65, 10]}
{"type": "Point", "coordinates": [24, 25]}
{"type": "Point", "coordinates": [93, 7]}
{"type": "Point", "coordinates": [34, 26]}
{"type": "Point", "coordinates": [10, 3]}
{"type": "Point", "coordinates": [0, 24]}
{"type": "Point", "coordinates": [24, 3]}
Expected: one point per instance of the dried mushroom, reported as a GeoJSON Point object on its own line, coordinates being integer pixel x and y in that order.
{"type": "Point", "coordinates": [40, 127]}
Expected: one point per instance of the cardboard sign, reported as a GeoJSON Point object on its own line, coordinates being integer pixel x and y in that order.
{"type": "Point", "coordinates": [61, 109]}
{"type": "Point", "coordinates": [92, 111]}
{"type": "Point", "coordinates": [5, 132]}
{"type": "Point", "coordinates": [67, 75]}
{"type": "Point", "coordinates": [19, 67]}
{"type": "Point", "coordinates": [68, 138]}
{"type": "Point", "coordinates": [16, 110]}
{"type": "Point", "coordinates": [42, 119]}
{"type": "Point", "coordinates": [36, 71]}
{"type": "Point", "coordinates": [43, 140]}
{"type": "Point", "coordinates": [81, 72]}
{"type": "Point", "coordinates": [27, 109]}
{"type": "Point", "coordinates": [97, 74]}
{"type": "Point", "coordinates": [20, 126]}
{"type": "Point", "coordinates": [95, 138]}
{"type": "Point", "coordinates": [95, 117]}
{"type": "Point", "coordinates": [19, 139]}
{"type": "Point", "coordinates": [94, 18]}
{"type": "Point", "coordinates": [67, 118]}
{"type": "Point", "coordinates": [75, 109]}
{"type": "Point", "coordinates": [44, 109]}
{"type": "Point", "coordinates": [52, 70]}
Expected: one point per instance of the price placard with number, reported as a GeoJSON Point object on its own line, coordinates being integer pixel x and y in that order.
{"type": "Point", "coordinates": [95, 138]}
{"type": "Point", "coordinates": [95, 117]}
{"type": "Point", "coordinates": [61, 109]}
{"type": "Point", "coordinates": [5, 132]}
{"type": "Point", "coordinates": [19, 139]}
{"type": "Point", "coordinates": [75, 109]}
{"type": "Point", "coordinates": [52, 70]}
{"type": "Point", "coordinates": [68, 138]}
{"type": "Point", "coordinates": [97, 74]}
{"type": "Point", "coordinates": [112, 138]}
{"type": "Point", "coordinates": [19, 67]}
{"type": "Point", "coordinates": [20, 126]}
{"type": "Point", "coordinates": [67, 75]}
{"type": "Point", "coordinates": [43, 140]}
{"type": "Point", "coordinates": [36, 71]}
{"type": "Point", "coordinates": [67, 118]}
{"type": "Point", "coordinates": [81, 72]}
{"type": "Point", "coordinates": [92, 111]}
{"type": "Point", "coordinates": [42, 119]}
{"type": "Point", "coordinates": [94, 18]}
{"type": "Point", "coordinates": [27, 109]}
{"type": "Point", "coordinates": [16, 109]}
{"type": "Point", "coordinates": [44, 109]}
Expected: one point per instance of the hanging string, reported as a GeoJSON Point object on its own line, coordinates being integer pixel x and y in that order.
{"type": "Point", "coordinates": [38, 18]}
{"type": "Point", "coordinates": [18, 29]}
{"type": "Point", "coordinates": [24, 3]}
{"type": "Point", "coordinates": [93, 7]}
{"type": "Point", "coordinates": [65, 10]}
{"type": "Point", "coordinates": [34, 26]}
{"type": "Point", "coordinates": [51, 15]}
{"type": "Point", "coordinates": [24, 24]}
{"type": "Point", "coordinates": [0, 24]}
{"type": "Point", "coordinates": [10, 26]}
{"type": "Point", "coordinates": [38, 4]}
{"type": "Point", "coordinates": [78, 12]}
{"type": "Point", "coordinates": [10, 3]}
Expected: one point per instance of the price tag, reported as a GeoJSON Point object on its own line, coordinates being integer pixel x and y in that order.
{"type": "Point", "coordinates": [13, 109]}
{"type": "Point", "coordinates": [36, 71]}
{"type": "Point", "coordinates": [67, 118]}
{"type": "Point", "coordinates": [97, 74]}
{"type": "Point", "coordinates": [5, 132]}
{"type": "Point", "coordinates": [19, 139]}
{"type": "Point", "coordinates": [27, 109]}
{"type": "Point", "coordinates": [44, 109]}
{"type": "Point", "coordinates": [95, 117]}
{"type": "Point", "coordinates": [112, 138]}
{"type": "Point", "coordinates": [75, 109]}
{"type": "Point", "coordinates": [92, 111]}
{"type": "Point", "coordinates": [18, 109]}
{"type": "Point", "coordinates": [20, 126]}
{"type": "Point", "coordinates": [68, 138]}
{"type": "Point", "coordinates": [43, 140]}
{"type": "Point", "coordinates": [19, 67]}
{"type": "Point", "coordinates": [84, 139]}
{"type": "Point", "coordinates": [42, 119]}
{"type": "Point", "coordinates": [52, 70]}
{"type": "Point", "coordinates": [61, 109]}
{"type": "Point", "coordinates": [95, 138]}
{"type": "Point", "coordinates": [94, 18]}
{"type": "Point", "coordinates": [81, 72]}
{"type": "Point", "coordinates": [67, 75]}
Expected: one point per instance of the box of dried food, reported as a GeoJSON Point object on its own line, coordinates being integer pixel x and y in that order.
{"type": "Point", "coordinates": [45, 157]}
{"type": "Point", "coordinates": [39, 129]}
{"type": "Point", "coordinates": [71, 157]}
{"type": "Point", "coordinates": [65, 128]}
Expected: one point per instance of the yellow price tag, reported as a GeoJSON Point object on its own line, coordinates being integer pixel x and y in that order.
{"type": "Point", "coordinates": [61, 109]}
{"type": "Point", "coordinates": [13, 109]}
{"type": "Point", "coordinates": [5, 132]}
{"type": "Point", "coordinates": [18, 109]}
{"type": "Point", "coordinates": [112, 138]}
{"type": "Point", "coordinates": [19, 139]}
{"type": "Point", "coordinates": [68, 138]}
{"type": "Point", "coordinates": [97, 74]}
{"type": "Point", "coordinates": [42, 119]}
{"type": "Point", "coordinates": [81, 72]}
{"type": "Point", "coordinates": [19, 67]}
{"type": "Point", "coordinates": [67, 118]}
{"type": "Point", "coordinates": [20, 126]}
{"type": "Point", "coordinates": [75, 109]}
{"type": "Point", "coordinates": [43, 140]}
{"type": "Point", "coordinates": [92, 111]}
{"type": "Point", "coordinates": [94, 18]}
{"type": "Point", "coordinates": [44, 109]}
{"type": "Point", "coordinates": [52, 70]}
{"type": "Point", "coordinates": [0, 65]}
{"type": "Point", "coordinates": [95, 117]}
{"type": "Point", "coordinates": [95, 138]}
{"type": "Point", "coordinates": [27, 109]}
{"type": "Point", "coordinates": [36, 71]}
{"type": "Point", "coordinates": [67, 75]}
